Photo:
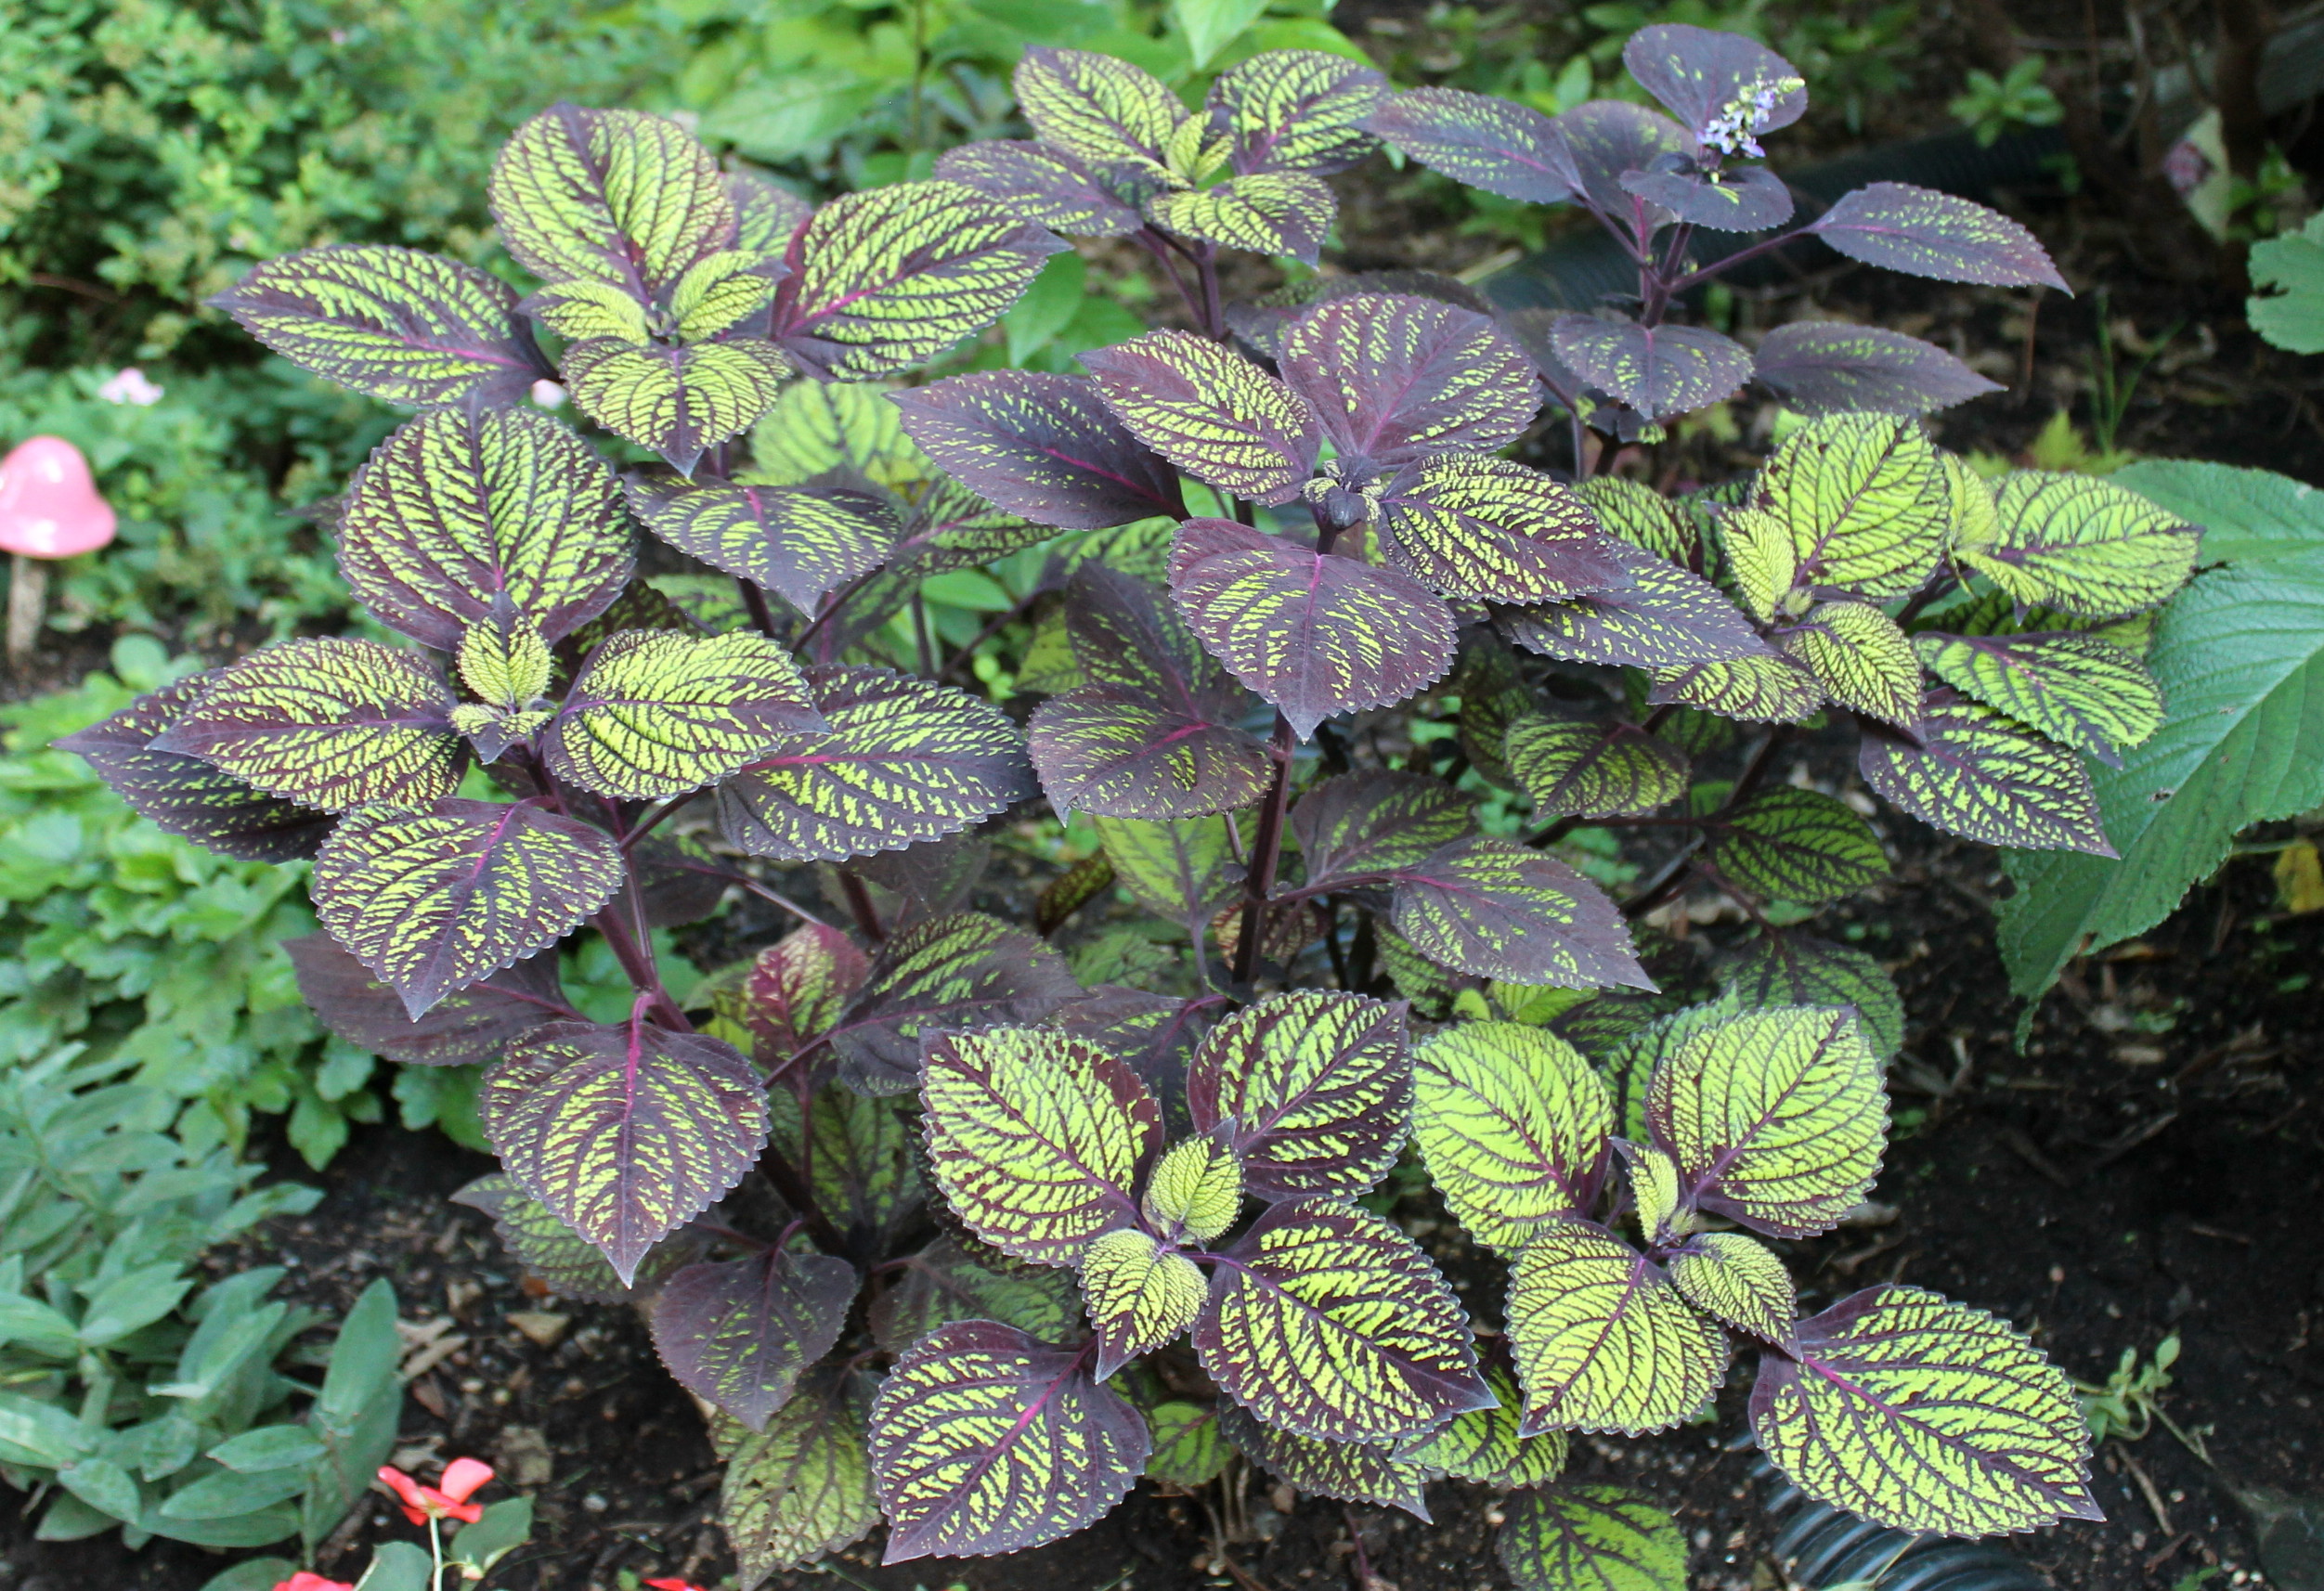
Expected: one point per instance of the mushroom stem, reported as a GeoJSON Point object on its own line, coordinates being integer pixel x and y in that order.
{"type": "Point", "coordinates": [27, 596]}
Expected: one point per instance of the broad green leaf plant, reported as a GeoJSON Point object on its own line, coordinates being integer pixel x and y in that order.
{"type": "Point", "coordinates": [954, 1242]}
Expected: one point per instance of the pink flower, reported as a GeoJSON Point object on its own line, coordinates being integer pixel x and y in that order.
{"type": "Point", "coordinates": [307, 1579]}
{"type": "Point", "coordinates": [129, 386]}
{"type": "Point", "coordinates": [448, 1501]}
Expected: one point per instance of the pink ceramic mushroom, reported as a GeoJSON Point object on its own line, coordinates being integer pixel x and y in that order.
{"type": "Point", "coordinates": [49, 508]}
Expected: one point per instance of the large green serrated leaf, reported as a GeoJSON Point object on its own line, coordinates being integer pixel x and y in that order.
{"type": "Point", "coordinates": [680, 402]}
{"type": "Point", "coordinates": [1775, 1118]}
{"type": "Point", "coordinates": [1591, 1538]}
{"type": "Point", "coordinates": [1865, 501]}
{"type": "Point", "coordinates": [1513, 1125]}
{"type": "Point", "coordinates": [961, 971]}
{"type": "Point", "coordinates": [1796, 844]}
{"type": "Point", "coordinates": [1781, 968]}
{"type": "Point", "coordinates": [1313, 1089]}
{"type": "Point", "coordinates": [1738, 1282]}
{"type": "Point", "coordinates": [1979, 775]}
{"type": "Point", "coordinates": [2078, 689]}
{"type": "Point", "coordinates": [1593, 770]}
{"type": "Point", "coordinates": [1214, 414]}
{"type": "Point", "coordinates": [1483, 1444]}
{"type": "Point", "coordinates": [1924, 1415]}
{"type": "Point", "coordinates": [2081, 544]}
{"type": "Point", "coordinates": [800, 542]}
{"type": "Point", "coordinates": [625, 1133]}
{"type": "Point", "coordinates": [613, 196]}
{"type": "Point", "coordinates": [1035, 1138]}
{"type": "Point", "coordinates": [432, 900]}
{"type": "Point", "coordinates": [657, 713]}
{"type": "Point", "coordinates": [802, 1487]}
{"type": "Point", "coordinates": [1603, 1340]}
{"type": "Point", "coordinates": [458, 506]}
{"type": "Point", "coordinates": [905, 760]}
{"type": "Point", "coordinates": [1347, 1471]}
{"type": "Point", "coordinates": [985, 1440]}
{"type": "Point", "coordinates": [1141, 1295]}
{"type": "Point", "coordinates": [1328, 1321]}
{"type": "Point", "coordinates": [1860, 657]}
{"type": "Point", "coordinates": [328, 723]}
{"type": "Point", "coordinates": [1493, 530]}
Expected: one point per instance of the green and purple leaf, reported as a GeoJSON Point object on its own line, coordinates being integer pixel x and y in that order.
{"type": "Point", "coordinates": [1513, 1125]}
{"type": "Point", "coordinates": [394, 324]}
{"type": "Point", "coordinates": [1968, 770]}
{"type": "Point", "coordinates": [1606, 139]}
{"type": "Point", "coordinates": [1326, 1320]}
{"type": "Point", "coordinates": [985, 1440]}
{"type": "Point", "coordinates": [1043, 184]}
{"type": "Point", "coordinates": [1481, 141]}
{"type": "Point", "coordinates": [1314, 1091]}
{"type": "Point", "coordinates": [1608, 1538]}
{"type": "Point", "coordinates": [944, 975]}
{"type": "Point", "coordinates": [1297, 110]}
{"type": "Point", "coordinates": [1827, 367]}
{"type": "Point", "coordinates": [1706, 77]}
{"type": "Point", "coordinates": [1927, 233]}
{"type": "Point", "coordinates": [1098, 109]}
{"type": "Point", "coordinates": [1604, 770]}
{"type": "Point", "coordinates": [1344, 1471]}
{"type": "Point", "coordinates": [1662, 617]}
{"type": "Point", "coordinates": [794, 991]}
{"type": "Point", "coordinates": [1801, 846]}
{"type": "Point", "coordinates": [956, 1278]}
{"type": "Point", "coordinates": [433, 900]}
{"type": "Point", "coordinates": [768, 215]}
{"type": "Point", "coordinates": [1785, 969]}
{"type": "Point", "coordinates": [1393, 378]}
{"type": "Point", "coordinates": [1155, 1033]}
{"type": "Point", "coordinates": [1483, 1444]}
{"type": "Point", "coordinates": [1737, 199]}
{"type": "Point", "coordinates": [861, 1159]}
{"type": "Point", "coordinates": [802, 542]}
{"type": "Point", "coordinates": [678, 401]}
{"type": "Point", "coordinates": [736, 1334]}
{"type": "Point", "coordinates": [1267, 212]}
{"type": "Point", "coordinates": [465, 1028]}
{"type": "Point", "coordinates": [2078, 689]}
{"type": "Point", "coordinates": [1142, 1295]}
{"type": "Point", "coordinates": [1658, 370]}
{"type": "Point", "coordinates": [625, 1133]}
{"type": "Point", "coordinates": [802, 1488]}
{"type": "Point", "coordinates": [1354, 827]}
{"type": "Point", "coordinates": [1493, 530]}
{"type": "Point", "coordinates": [657, 713]}
{"type": "Point", "coordinates": [1040, 446]}
{"type": "Point", "coordinates": [1212, 413]}
{"type": "Point", "coordinates": [1604, 1341]}
{"type": "Point", "coordinates": [560, 1259]}
{"type": "Point", "coordinates": [1499, 908]}
{"type": "Point", "coordinates": [616, 196]}
{"type": "Point", "coordinates": [1317, 634]}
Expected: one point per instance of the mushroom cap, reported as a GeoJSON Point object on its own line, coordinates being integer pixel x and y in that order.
{"type": "Point", "coordinates": [49, 506]}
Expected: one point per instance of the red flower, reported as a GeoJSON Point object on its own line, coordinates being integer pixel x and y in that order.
{"type": "Point", "coordinates": [449, 1501]}
{"type": "Point", "coordinates": [307, 1579]}
{"type": "Point", "coordinates": [671, 1583]}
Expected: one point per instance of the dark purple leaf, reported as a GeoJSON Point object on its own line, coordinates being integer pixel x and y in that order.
{"type": "Point", "coordinates": [803, 542]}
{"type": "Point", "coordinates": [737, 1333]}
{"type": "Point", "coordinates": [1345, 1471]}
{"type": "Point", "coordinates": [1530, 328]}
{"type": "Point", "coordinates": [918, 883]}
{"type": "Point", "coordinates": [1607, 138]}
{"type": "Point", "coordinates": [1262, 322]}
{"type": "Point", "coordinates": [1316, 634]}
{"type": "Point", "coordinates": [1738, 199]}
{"type": "Point", "coordinates": [1358, 826]}
{"type": "Point", "coordinates": [1041, 445]}
{"type": "Point", "coordinates": [1658, 370]}
{"type": "Point", "coordinates": [1931, 234]}
{"type": "Point", "coordinates": [1297, 110]}
{"type": "Point", "coordinates": [1499, 908]}
{"type": "Point", "coordinates": [1393, 378]}
{"type": "Point", "coordinates": [1041, 184]}
{"type": "Point", "coordinates": [1484, 142]}
{"type": "Point", "coordinates": [1215, 415]}
{"type": "Point", "coordinates": [1314, 1088]}
{"type": "Point", "coordinates": [466, 1029]}
{"type": "Point", "coordinates": [952, 973]}
{"type": "Point", "coordinates": [796, 988]}
{"type": "Point", "coordinates": [985, 1440]}
{"type": "Point", "coordinates": [1158, 732]}
{"type": "Point", "coordinates": [679, 881]}
{"type": "Point", "coordinates": [1824, 366]}
{"type": "Point", "coordinates": [1719, 84]}
{"type": "Point", "coordinates": [1664, 618]}
{"type": "Point", "coordinates": [1155, 1033]}
{"type": "Point", "coordinates": [185, 795]}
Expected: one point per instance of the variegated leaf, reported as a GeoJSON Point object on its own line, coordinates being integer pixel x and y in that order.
{"type": "Point", "coordinates": [625, 1133]}
{"type": "Point", "coordinates": [1768, 687]}
{"type": "Point", "coordinates": [1799, 845]}
{"type": "Point", "coordinates": [1927, 233]}
{"type": "Point", "coordinates": [817, 428]}
{"type": "Point", "coordinates": [1394, 378]}
{"type": "Point", "coordinates": [1658, 370]}
{"type": "Point", "coordinates": [1268, 212]}
{"type": "Point", "coordinates": [950, 972]}
{"type": "Point", "coordinates": [657, 713]}
{"type": "Point", "coordinates": [1643, 517]}
{"type": "Point", "coordinates": [1607, 769]}
{"type": "Point", "coordinates": [1195, 1191]}
{"type": "Point", "coordinates": [458, 506]}
{"type": "Point", "coordinates": [1214, 414]}
{"type": "Point", "coordinates": [905, 760]}
{"type": "Point", "coordinates": [1347, 1471]}
{"type": "Point", "coordinates": [1866, 501]}
{"type": "Point", "coordinates": [1180, 869]}
{"type": "Point", "coordinates": [502, 659]}
{"type": "Point", "coordinates": [1924, 1415]}
{"type": "Point", "coordinates": [1604, 1341]}
{"type": "Point", "coordinates": [1355, 827]}
{"type": "Point", "coordinates": [1483, 141]}
{"type": "Point", "coordinates": [1035, 1138]}
{"type": "Point", "coordinates": [1041, 184]}
{"type": "Point", "coordinates": [1783, 968]}
{"type": "Point", "coordinates": [1759, 560]}
{"type": "Point", "coordinates": [1827, 367]}
{"type": "Point", "coordinates": [1188, 1449]}
{"type": "Point", "coordinates": [1860, 657]}
{"type": "Point", "coordinates": [1606, 139]}
{"type": "Point", "coordinates": [465, 1028]}
{"type": "Point", "coordinates": [956, 1277]}
{"type": "Point", "coordinates": [1715, 83]}
{"type": "Point", "coordinates": [1739, 1282]}
{"type": "Point", "coordinates": [802, 1487]}
{"type": "Point", "coordinates": [1606, 1538]}
{"type": "Point", "coordinates": [1661, 616]}
{"type": "Point", "coordinates": [1313, 1090]}
{"type": "Point", "coordinates": [1483, 1444]}
{"type": "Point", "coordinates": [1735, 198]}
{"type": "Point", "coordinates": [768, 215]}
{"type": "Point", "coordinates": [1776, 1118]}
{"type": "Point", "coordinates": [612, 196]}
{"type": "Point", "coordinates": [1514, 1127]}
{"type": "Point", "coordinates": [1096, 107]}
{"type": "Point", "coordinates": [1298, 110]}
{"type": "Point", "coordinates": [2081, 544]}
{"type": "Point", "coordinates": [794, 991]}
{"type": "Point", "coordinates": [1326, 1320]}
{"type": "Point", "coordinates": [433, 900]}
{"type": "Point", "coordinates": [1317, 634]}
{"type": "Point", "coordinates": [800, 542]}
{"type": "Point", "coordinates": [394, 324]}
{"type": "Point", "coordinates": [678, 401]}
{"type": "Point", "coordinates": [1142, 1296]}
{"type": "Point", "coordinates": [1494, 530]}
{"type": "Point", "coordinates": [560, 1259]}
{"type": "Point", "coordinates": [985, 1440]}
{"type": "Point", "coordinates": [187, 795]}
{"type": "Point", "coordinates": [1970, 772]}
{"type": "Point", "coordinates": [860, 1159]}
{"type": "Point", "coordinates": [2079, 691]}
{"type": "Point", "coordinates": [891, 276]}
{"type": "Point", "coordinates": [330, 723]}
{"type": "Point", "coordinates": [1499, 908]}
{"type": "Point", "coordinates": [738, 1333]}
{"type": "Point", "coordinates": [1040, 446]}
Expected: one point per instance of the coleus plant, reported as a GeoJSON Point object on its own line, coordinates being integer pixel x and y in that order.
{"type": "Point", "coordinates": [946, 1239]}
